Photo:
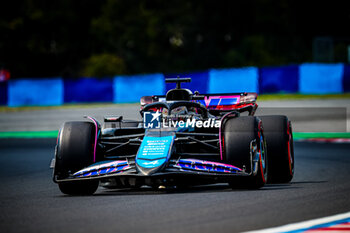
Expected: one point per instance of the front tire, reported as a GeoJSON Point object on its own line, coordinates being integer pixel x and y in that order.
{"type": "Point", "coordinates": [239, 133]}
{"type": "Point", "coordinates": [75, 150]}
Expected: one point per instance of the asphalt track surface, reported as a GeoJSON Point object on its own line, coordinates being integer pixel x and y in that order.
{"type": "Point", "coordinates": [31, 202]}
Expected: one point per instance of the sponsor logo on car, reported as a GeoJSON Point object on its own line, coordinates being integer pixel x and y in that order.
{"type": "Point", "coordinates": [151, 163]}
{"type": "Point", "coordinates": [154, 120]}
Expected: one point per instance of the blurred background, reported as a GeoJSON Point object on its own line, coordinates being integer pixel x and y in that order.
{"type": "Point", "coordinates": [55, 53]}
{"type": "Point", "coordinates": [109, 37]}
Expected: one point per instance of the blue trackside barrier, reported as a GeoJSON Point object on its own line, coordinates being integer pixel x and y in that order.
{"type": "Point", "coordinates": [199, 81]}
{"type": "Point", "coordinates": [40, 92]}
{"type": "Point", "coordinates": [346, 78]}
{"type": "Point", "coordinates": [84, 90]}
{"type": "Point", "coordinates": [279, 79]}
{"type": "Point", "coordinates": [129, 89]}
{"type": "Point", "coordinates": [308, 78]}
{"type": "Point", "coordinates": [233, 80]}
{"type": "Point", "coordinates": [320, 78]}
{"type": "Point", "coordinates": [3, 93]}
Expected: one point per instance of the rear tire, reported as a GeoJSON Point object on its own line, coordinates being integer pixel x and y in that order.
{"type": "Point", "coordinates": [279, 138]}
{"type": "Point", "coordinates": [238, 134]}
{"type": "Point", "coordinates": [74, 151]}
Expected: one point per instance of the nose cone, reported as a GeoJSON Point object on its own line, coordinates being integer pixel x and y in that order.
{"type": "Point", "coordinates": [154, 153]}
{"type": "Point", "coordinates": [148, 167]}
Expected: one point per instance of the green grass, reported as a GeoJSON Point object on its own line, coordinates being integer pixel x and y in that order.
{"type": "Point", "coordinates": [320, 135]}
{"type": "Point", "coordinates": [30, 134]}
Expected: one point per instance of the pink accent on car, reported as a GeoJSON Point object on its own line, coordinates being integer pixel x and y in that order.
{"type": "Point", "coordinates": [220, 141]}
{"type": "Point", "coordinates": [96, 131]}
{"type": "Point", "coordinates": [211, 163]}
{"type": "Point", "coordinates": [207, 99]}
{"type": "Point", "coordinates": [110, 165]}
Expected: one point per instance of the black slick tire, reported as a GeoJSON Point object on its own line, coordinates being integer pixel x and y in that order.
{"type": "Point", "coordinates": [238, 133]}
{"type": "Point", "coordinates": [75, 151]}
{"type": "Point", "coordinates": [279, 138]}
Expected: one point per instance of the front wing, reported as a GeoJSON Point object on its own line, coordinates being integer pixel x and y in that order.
{"type": "Point", "coordinates": [109, 169]}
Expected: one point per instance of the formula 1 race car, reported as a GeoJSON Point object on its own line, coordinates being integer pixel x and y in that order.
{"type": "Point", "coordinates": [183, 139]}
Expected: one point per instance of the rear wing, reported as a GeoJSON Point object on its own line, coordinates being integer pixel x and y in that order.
{"type": "Point", "coordinates": [216, 102]}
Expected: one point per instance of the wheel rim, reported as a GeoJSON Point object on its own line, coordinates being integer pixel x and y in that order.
{"type": "Point", "coordinates": [262, 154]}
